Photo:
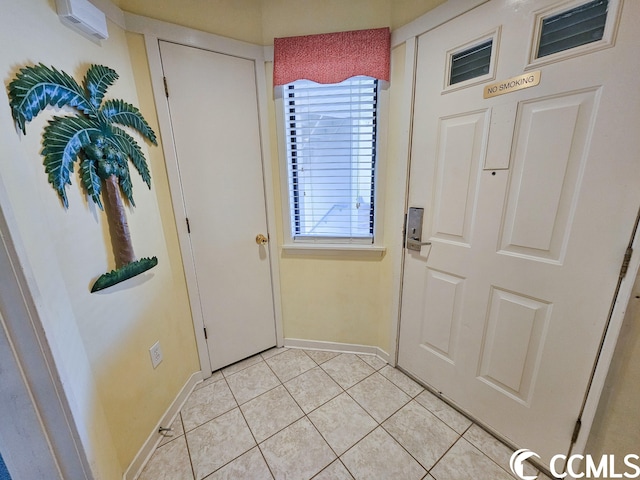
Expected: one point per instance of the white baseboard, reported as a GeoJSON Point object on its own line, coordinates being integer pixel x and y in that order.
{"type": "Point", "coordinates": [150, 445]}
{"type": "Point", "coordinates": [336, 347]}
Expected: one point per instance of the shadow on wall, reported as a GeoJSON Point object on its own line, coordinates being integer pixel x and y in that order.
{"type": "Point", "coordinates": [616, 428]}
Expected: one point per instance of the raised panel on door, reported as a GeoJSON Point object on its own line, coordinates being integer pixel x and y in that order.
{"type": "Point", "coordinates": [550, 148]}
{"type": "Point", "coordinates": [441, 314]}
{"type": "Point", "coordinates": [515, 331]}
{"type": "Point", "coordinates": [459, 157]}
{"type": "Point", "coordinates": [214, 116]}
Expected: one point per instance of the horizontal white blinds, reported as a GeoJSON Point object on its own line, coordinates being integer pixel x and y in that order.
{"type": "Point", "coordinates": [331, 152]}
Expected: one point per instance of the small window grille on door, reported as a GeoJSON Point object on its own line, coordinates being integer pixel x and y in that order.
{"type": "Point", "coordinates": [471, 63]}
{"type": "Point", "coordinates": [572, 28]}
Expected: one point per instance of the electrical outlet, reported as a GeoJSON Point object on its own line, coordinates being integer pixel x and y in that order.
{"type": "Point", "coordinates": [156, 354]}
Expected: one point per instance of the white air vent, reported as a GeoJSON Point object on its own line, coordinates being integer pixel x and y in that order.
{"type": "Point", "coordinates": [81, 14]}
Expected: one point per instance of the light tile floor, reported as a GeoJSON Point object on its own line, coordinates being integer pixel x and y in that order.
{"type": "Point", "coordinates": [290, 414]}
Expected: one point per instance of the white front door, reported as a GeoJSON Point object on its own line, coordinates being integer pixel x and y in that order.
{"type": "Point", "coordinates": [214, 117]}
{"type": "Point", "coordinates": [529, 200]}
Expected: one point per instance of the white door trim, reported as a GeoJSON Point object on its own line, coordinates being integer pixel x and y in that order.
{"type": "Point", "coordinates": [154, 31]}
{"type": "Point", "coordinates": [408, 34]}
{"type": "Point", "coordinates": [405, 141]}
{"type": "Point", "coordinates": [38, 438]}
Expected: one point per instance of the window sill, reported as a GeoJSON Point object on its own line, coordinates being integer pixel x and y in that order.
{"type": "Point", "coordinates": [334, 249]}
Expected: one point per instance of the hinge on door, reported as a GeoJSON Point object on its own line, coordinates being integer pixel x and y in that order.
{"type": "Point", "coordinates": [166, 88]}
{"type": "Point", "coordinates": [188, 226]}
{"type": "Point", "coordinates": [205, 334]}
{"type": "Point", "coordinates": [625, 262]}
{"type": "Point", "coordinates": [576, 431]}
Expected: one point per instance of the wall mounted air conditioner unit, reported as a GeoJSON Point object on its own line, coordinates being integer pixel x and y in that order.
{"type": "Point", "coordinates": [84, 16]}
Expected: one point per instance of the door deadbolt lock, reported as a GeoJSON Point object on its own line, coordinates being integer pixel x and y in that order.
{"type": "Point", "coordinates": [414, 229]}
{"type": "Point", "coordinates": [261, 239]}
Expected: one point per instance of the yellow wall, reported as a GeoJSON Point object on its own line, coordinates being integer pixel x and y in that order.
{"type": "Point", "coordinates": [259, 21]}
{"type": "Point", "coordinates": [238, 19]}
{"type": "Point", "coordinates": [347, 298]}
{"type": "Point", "coordinates": [68, 250]}
{"type": "Point", "coordinates": [284, 18]}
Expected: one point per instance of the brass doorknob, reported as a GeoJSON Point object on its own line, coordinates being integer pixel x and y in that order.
{"type": "Point", "coordinates": [261, 239]}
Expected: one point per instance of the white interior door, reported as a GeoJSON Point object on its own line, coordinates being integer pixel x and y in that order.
{"type": "Point", "coordinates": [530, 200]}
{"type": "Point", "coordinates": [214, 117]}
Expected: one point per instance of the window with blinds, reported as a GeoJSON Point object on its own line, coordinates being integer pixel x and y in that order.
{"type": "Point", "coordinates": [331, 155]}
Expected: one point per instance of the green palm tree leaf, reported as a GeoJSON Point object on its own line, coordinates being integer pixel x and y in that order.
{"type": "Point", "coordinates": [127, 145]}
{"type": "Point", "coordinates": [96, 81]}
{"type": "Point", "coordinates": [122, 113]}
{"type": "Point", "coordinates": [63, 138]}
{"type": "Point", "coordinates": [91, 181]}
{"type": "Point", "coordinates": [36, 87]}
{"type": "Point", "coordinates": [124, 179]}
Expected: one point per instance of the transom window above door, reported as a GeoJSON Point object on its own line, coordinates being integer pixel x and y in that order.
{"type": "Point", "coordinates": [573, 28]}
{"type": "Point", "coordinates": [472, 63]}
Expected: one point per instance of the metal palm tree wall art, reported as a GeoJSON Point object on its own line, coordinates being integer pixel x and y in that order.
{"type": "Point", "coordinates": [94, 138]}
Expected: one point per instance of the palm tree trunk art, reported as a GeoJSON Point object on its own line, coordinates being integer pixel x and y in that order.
{"type": "Point", "coordinates": [93, 138]}
{"type": "Point", "coordinates": [123, 248]}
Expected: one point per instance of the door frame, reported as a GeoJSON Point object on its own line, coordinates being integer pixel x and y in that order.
{"type": "Point", "coordinates": [408, 35]}
{"type": "Point", "coordinates": [154, 31]}
{"type": "Point", "coordinates": [37, 414]}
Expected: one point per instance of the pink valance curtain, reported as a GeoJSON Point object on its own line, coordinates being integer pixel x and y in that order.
{"type": "Point", "coordinates": [332, 57]}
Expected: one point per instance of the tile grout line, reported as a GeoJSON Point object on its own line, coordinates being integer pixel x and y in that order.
{"type": "Point", "coordinates": [403, 447]}
{"type": "Point", "coordinates": [251, 432]}
{"type": "Point", "coordinates": [224, 413]}
{"type": "Point", "coordinates": [186, 441]}
{"type": "Point", "coordinates": [380, 425]}
{"type": "Point", "coordinates": [292, 397]}
{"type": "Point", "coordinates": [482, 452]}
{"type": "Point", "coordinates": [438, 395]}
{"type": "Point", "coordinates": [305, 414]}
{"type": "Point", "coordinates": [460, 435]}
